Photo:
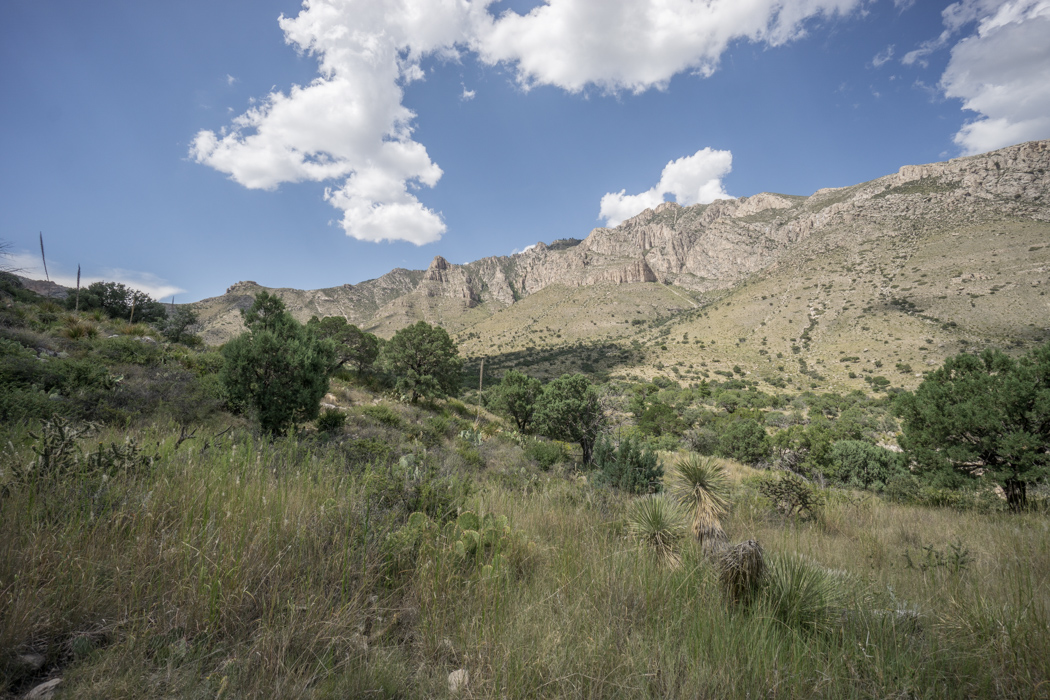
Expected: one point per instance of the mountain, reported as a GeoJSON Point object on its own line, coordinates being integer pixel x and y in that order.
{"type": "Point", "coordinates": [953, 253]}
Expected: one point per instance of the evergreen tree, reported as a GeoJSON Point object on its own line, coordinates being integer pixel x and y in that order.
{"type": "Point", "coordinates": [570, 409]}
{"type": "Point", "coordinates": [516, 397]}
{"type": "Point", "coordinates": [423, 362]}
{"type": "Point", "coordinates": [984, 415]}
{"type": "Point", "coordinates": [277, 369]}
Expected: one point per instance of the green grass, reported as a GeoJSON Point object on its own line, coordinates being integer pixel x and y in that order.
{"type": "Point", "coordinates": [254, 568]}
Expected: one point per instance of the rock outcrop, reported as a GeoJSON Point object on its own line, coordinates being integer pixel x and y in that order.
{"type": "Point", "coordinates": [699, 248]}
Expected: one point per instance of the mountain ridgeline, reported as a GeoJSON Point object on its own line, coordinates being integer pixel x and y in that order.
{"type": "Point", "coordinates": [924, 244]}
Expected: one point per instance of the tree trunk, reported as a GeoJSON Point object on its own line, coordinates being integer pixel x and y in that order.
{"type": "Point", "coordinates": [588, 450]}
{"type": "Point", "coordinates": [1016, 494]}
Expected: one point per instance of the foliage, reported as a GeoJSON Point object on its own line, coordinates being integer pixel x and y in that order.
{"type": "Point", "coordinates": [660, 419]}
{"type": "Point", "coordinates": [700, 483]}
{"type": "Point", "coordinates": [277, 369]}
{"type": "Point", "coordinates": [545, 453]}
{"type": "Point", "coordinates": [745, 441]}
{"type": "Point", "coordinates": [176, 326]}
{"type": "Point", "coordinates": [659, 524]}
{"type": "Point", "coordinates": [423, 361]}
{"type": "Point", "coordinates": [804, 596]}
{"type": "Point", "coordinates": [570, 409]}
{"type": "Point", "coordinates": [985, 415]}
{"type": "Point", "coordinates": [118, 301]}
{"type": "Point", "coordinates": [628, 467]}
{"type": "Point", "coordinates": [862, 465]}
{"type": "Point", "coordinates": [354, 347]}
{"type": "Point", "coordinates": [791, 495]}
{"type": "Point", "coordinates": [516, 397]}
{"type": "Point", "coordinates": [331, 421]}
{"type": "Point", "coordinates": [742, 571]}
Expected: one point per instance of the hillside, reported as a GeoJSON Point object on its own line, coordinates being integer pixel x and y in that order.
{"type": "Point", "coordinates": [902, 270]}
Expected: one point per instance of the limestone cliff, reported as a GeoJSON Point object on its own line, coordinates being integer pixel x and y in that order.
{"type": "Point", "coordinates": [698, 248]}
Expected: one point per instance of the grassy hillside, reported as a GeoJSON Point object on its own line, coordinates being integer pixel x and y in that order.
{"type": "Point", "coordinates": [153, 544]}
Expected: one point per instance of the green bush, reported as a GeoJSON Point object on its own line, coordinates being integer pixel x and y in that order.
{"type": "Point", "coordinates": [545, 453]}
{"type": "Point", "coordinates": [331, 421]}
{"type": "Point", "coordinates": [628, 466]}
{"type": "Point", "coordinates": [862, 465]}
{"type": "Point", "coordinates": [383, 414]}
{"type": "Point", "coordinates": [745, 441]}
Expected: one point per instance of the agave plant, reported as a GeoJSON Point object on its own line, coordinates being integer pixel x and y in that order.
{"type": "Point", "coordinates": [659, 523]}
{"type": "Point", "coordinates": [700, 483]}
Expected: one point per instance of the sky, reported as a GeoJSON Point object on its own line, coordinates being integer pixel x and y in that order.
{"type": "Point", "coordinates": [182, 147]}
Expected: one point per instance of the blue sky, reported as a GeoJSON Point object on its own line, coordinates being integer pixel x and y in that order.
{"type": "Point", "coordinates": [181, 147]}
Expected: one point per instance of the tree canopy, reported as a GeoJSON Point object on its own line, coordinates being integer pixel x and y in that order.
{"type": "Point", "coordinates": [277, 369]}
{"type": "Point", "coordinates": [516, 396]}
{"type": "Point", "coordinates": [353, 346]}
{"type": "Point", "coordinates": [570, 408]}
{"type": "Point", "coordinates": [982, 415]}
{"type": "Point", "coordinates": [423, 362]}
{"type": "Point", "coordinates": [117, 301]}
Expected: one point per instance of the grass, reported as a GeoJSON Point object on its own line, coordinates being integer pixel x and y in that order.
{"type": "Point", "coordinates": [253, 568]}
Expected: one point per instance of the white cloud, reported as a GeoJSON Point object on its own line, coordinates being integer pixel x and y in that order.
{"type": "Point", "coordinates": [230, 80]}
{"type": "Point", "coordinates": [29, 265]}
{"type": "Point", "coordinates": [467, 95]}
{"type": "Point", "coordinates": [695, 179]}
{"type": "Point", "coordinates": [637, 44]}
{"type": "Point", "coordinates": [1002, 72]}
{"type": "Point", "coordinates": [349, 129]}
{"type": "Point", "coordinates": [883, 57]}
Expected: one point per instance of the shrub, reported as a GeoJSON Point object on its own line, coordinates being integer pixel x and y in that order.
{"type": "Point", "coordinates": [803, 595]}
{"type": "Point", "coordinates": [383, 414]}
{"type": "Point", "coordinates": [331, 421]}
{"type": "Point", "coordinates": [627, 467]}
{"type": "Point", "coordinates": [745, 441]}
{"type": "Point", "coordinates": [791, 495]}
{"type": "Point", "coordinates": [700, 483]}
{"type": "Point", "coordinates": [659, 524]}
{"type": "Point", "coordinates": [545, 453]}
{"type": "Point", "coordinates": [860, 464]}
{"type": "Point", "coordinates": [277, 369]}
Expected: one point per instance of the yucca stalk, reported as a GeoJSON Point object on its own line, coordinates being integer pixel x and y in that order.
{"type": "Point", "coordinates": [700, 483]}
{"type": "Point", "coordinates": [659, 524]}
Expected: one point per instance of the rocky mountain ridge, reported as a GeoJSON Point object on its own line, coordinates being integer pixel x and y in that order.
{"type": "Point", "coordinates": [695, 250]}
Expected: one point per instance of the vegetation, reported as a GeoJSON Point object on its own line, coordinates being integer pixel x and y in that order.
{"type": "Point", "coordinates": [354, 347]}
{"type": "Point", "coordinates": [571, 409]}
{"type": "Point", "coordinates": [986, 416]}
{"type": "Point", "coordinates": [118, 301]}
{"type": "Point", "coordinates": [277, 370]}
{"type": "Point", "coordinates": [152, 548]}
{"type": "Point", "coordinates": [516, 397]}
{"type": "Point", "coordinates": [423, 361]}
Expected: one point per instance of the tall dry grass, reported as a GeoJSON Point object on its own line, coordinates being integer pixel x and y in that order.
{"type": "Point", "coordinates": [241, 567]}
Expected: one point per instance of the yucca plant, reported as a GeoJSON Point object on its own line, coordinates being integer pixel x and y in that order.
{"type": "Point", "coordinates": [804, 595]}
{"type": "Point", "coordinates": [659, 523]}
{"type": "Point", "coordinates": [701, 485]}
{"type": "Point", "coordinates": [741, 571]}
{"type": "Point", "coordinates": [79, 329]}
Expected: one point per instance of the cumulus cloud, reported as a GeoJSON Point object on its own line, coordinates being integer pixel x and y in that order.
{"type": "Point", "coordinates": [695, 179]}
{"type": "Point", "coordinates": [467, 95]}
{"type": "Point", "coordinates": [28, 265]}
{"type": "Point", "coordinates": [1001, 71]}
{"type": "Point", "coordinates": [637, 44]}
{"type": "Point", "coordinates": [349, 129]}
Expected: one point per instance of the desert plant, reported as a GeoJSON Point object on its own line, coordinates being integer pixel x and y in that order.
{"type": "Point", "coordinates": [331, 421]}
{"type": "Point", "coordinates": [803, 595]}
{"type": "Point", "coordinates": [700, 484]}
{"type": "Point", "coordinates": [792, 495]}
{"type": "Point", "coordinates": [742, 571]}
{"type": "Point", "coordinates": [659, 524]}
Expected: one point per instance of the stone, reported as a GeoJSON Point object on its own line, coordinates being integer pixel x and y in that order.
{"type": "Point", "coordinates": [44, 691]}
{"type": "Point", "coordinates": [458, 681]}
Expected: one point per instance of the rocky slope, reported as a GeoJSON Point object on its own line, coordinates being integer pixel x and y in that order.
{"type": "Point", "coordinates": [694, 251]}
